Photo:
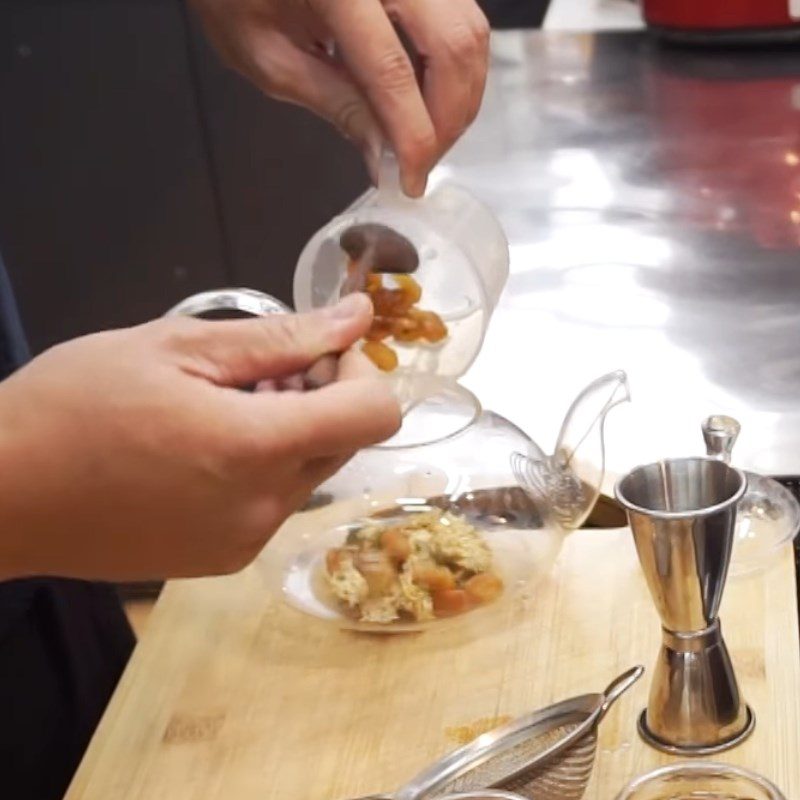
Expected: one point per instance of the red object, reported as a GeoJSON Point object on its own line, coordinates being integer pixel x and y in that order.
{"type": "Point", "coordinates": [721, 15]}
{"type": "Point", "coordinates": [734, 171]}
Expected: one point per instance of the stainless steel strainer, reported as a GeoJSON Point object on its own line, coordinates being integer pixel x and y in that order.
{"type": "Point", "coordinates": [546, 755]}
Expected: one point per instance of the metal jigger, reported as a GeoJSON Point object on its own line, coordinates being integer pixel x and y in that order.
{"type": "Point", "coordinates": [682, 513]}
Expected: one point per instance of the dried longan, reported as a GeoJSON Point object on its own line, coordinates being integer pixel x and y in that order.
{"type": "Point", "coordinates": [381, 328]}
{"type": "Point", "coordinates": [484, 587]}
{"type": "Point", "coordinates": [406, 329]}
{"type": "Point", "coordinates": [396, 316]}
{"type": "Point", "coordinates": [390, 302]}
{"type": "Point", "coordinates": [397, 544]}
{"type": "Point", "coordinates": [411, 289]}
{"type": "Point", "coordinates": [434, 578]}
{"type": "Point", "coordinates": [381, 355]}
{"type": "Point", "coordinates": [448, 602]}
{"type": "Point", "coordinates": [373, 282]}
{"type": "Point", "coordinates": [432, 327]}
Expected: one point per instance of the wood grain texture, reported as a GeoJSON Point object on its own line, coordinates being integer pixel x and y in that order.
{"type": "Point", "coordinates": [231, 694]}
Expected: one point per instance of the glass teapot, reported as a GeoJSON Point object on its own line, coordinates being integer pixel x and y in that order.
{"type": "Point", "coordinates": [500, 505]}
{"type": "Point", "coordinates": [457, 514]}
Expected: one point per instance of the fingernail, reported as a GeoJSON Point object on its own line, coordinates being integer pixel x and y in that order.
{"type": "Point", "coordinates": [414, 186]}
{"type": "Point", "coordinates": [353, 305]}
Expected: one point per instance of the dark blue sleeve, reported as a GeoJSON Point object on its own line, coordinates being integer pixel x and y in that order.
{"type": "Point", "coordinates": [63, 646]}
{"type": "Point", "coordinates": [13, 346]}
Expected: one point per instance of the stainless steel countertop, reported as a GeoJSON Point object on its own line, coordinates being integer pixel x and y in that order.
{"type": "Point", "coordinates": [652, 203]}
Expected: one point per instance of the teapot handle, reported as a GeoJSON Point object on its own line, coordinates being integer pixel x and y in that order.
{"type": "Point", "coordinates": [564, 486]}
{"type": "Point", "coordinates": [580, 447]}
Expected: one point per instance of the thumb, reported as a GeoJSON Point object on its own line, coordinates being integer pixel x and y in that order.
{"type": "Point", "coordinates": [242, 352]}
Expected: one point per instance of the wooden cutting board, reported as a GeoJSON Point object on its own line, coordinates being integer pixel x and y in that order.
{"type": "Point", "coordinates": [231, 694]}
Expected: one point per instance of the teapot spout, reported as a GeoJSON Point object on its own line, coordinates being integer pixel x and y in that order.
{"type": "Point", "coordinates": [567, 484]}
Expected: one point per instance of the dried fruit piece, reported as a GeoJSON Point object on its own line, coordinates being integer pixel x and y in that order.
{"type": "Point", "coordinates": [396, 544]}
{"type": "Point", "coordinates": [381, 328]}
{"type": "Point", "coordinates": [390, 302]}
{"type": "Point", "coordinates": [433, 577]}
{"type": "Point", "coordinates": [448, 602]}
{"type": "Point", "coordinates": [397, 316]}
{"type": "Point", "coordinates": [406, 329]}
{"type": "Point", "coordinates": [484, 587]}
{"type": "Point", "coordinates": [373, 282]}
{"type": "Point", "coordinates": [381, 355]}
{"type": "Point", "coordinates": [431, 326]}
{"type": "Point", "coordinates": [411, 289]}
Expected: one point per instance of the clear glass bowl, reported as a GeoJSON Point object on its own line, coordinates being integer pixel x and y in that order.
{"type": "Point", "coordinates": [465, 469]}
{"type": "Point", "coordinates": [767, 520]}
{"type": "Point", "coordinates": [486, 794]}
{"type": "Point", "coordinates": [768, 516]}
{"type": "Point", "coordinates": [700, 780]}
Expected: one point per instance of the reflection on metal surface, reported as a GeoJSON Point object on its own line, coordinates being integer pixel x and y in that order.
{"type": "Point", "coordinates": [652, 227]}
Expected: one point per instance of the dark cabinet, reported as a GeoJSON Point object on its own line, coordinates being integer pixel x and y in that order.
{"type": "Point", "coordinates": [135, 170]}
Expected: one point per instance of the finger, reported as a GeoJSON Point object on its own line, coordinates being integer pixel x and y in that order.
{"type": "Point", "coordinates": [350, 366]}
{"type": "Point", "coordinates": [284, 71]}
{"type": "Point", "coordinates": [244, 352]}
{"type": "Point", "coordinates": [338, 419]}
{"type": "Point", "coordinates": [452, 36]}
{"type": "Point", "coordinates": [479, 82]}
{"type": "Point", "coordinates": [321, 469]}
{"type": "Point", "coordinates": [354, 365]}
{"type": "Point", "coordinates": [375, 57]}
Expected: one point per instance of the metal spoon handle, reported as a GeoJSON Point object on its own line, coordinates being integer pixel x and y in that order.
{"type": "Point", "coordinates": [618, 687]}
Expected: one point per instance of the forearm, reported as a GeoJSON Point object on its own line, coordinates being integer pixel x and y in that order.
{"type": "Point", "coordinates": [17, 535]}
{"type": "Point", "coordinates": [40, 497]}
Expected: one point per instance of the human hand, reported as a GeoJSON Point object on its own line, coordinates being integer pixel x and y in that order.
{"type": "Point", "coordinates": [129, 455]}
{"type": "Point", "coordinates": [343, 60]}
